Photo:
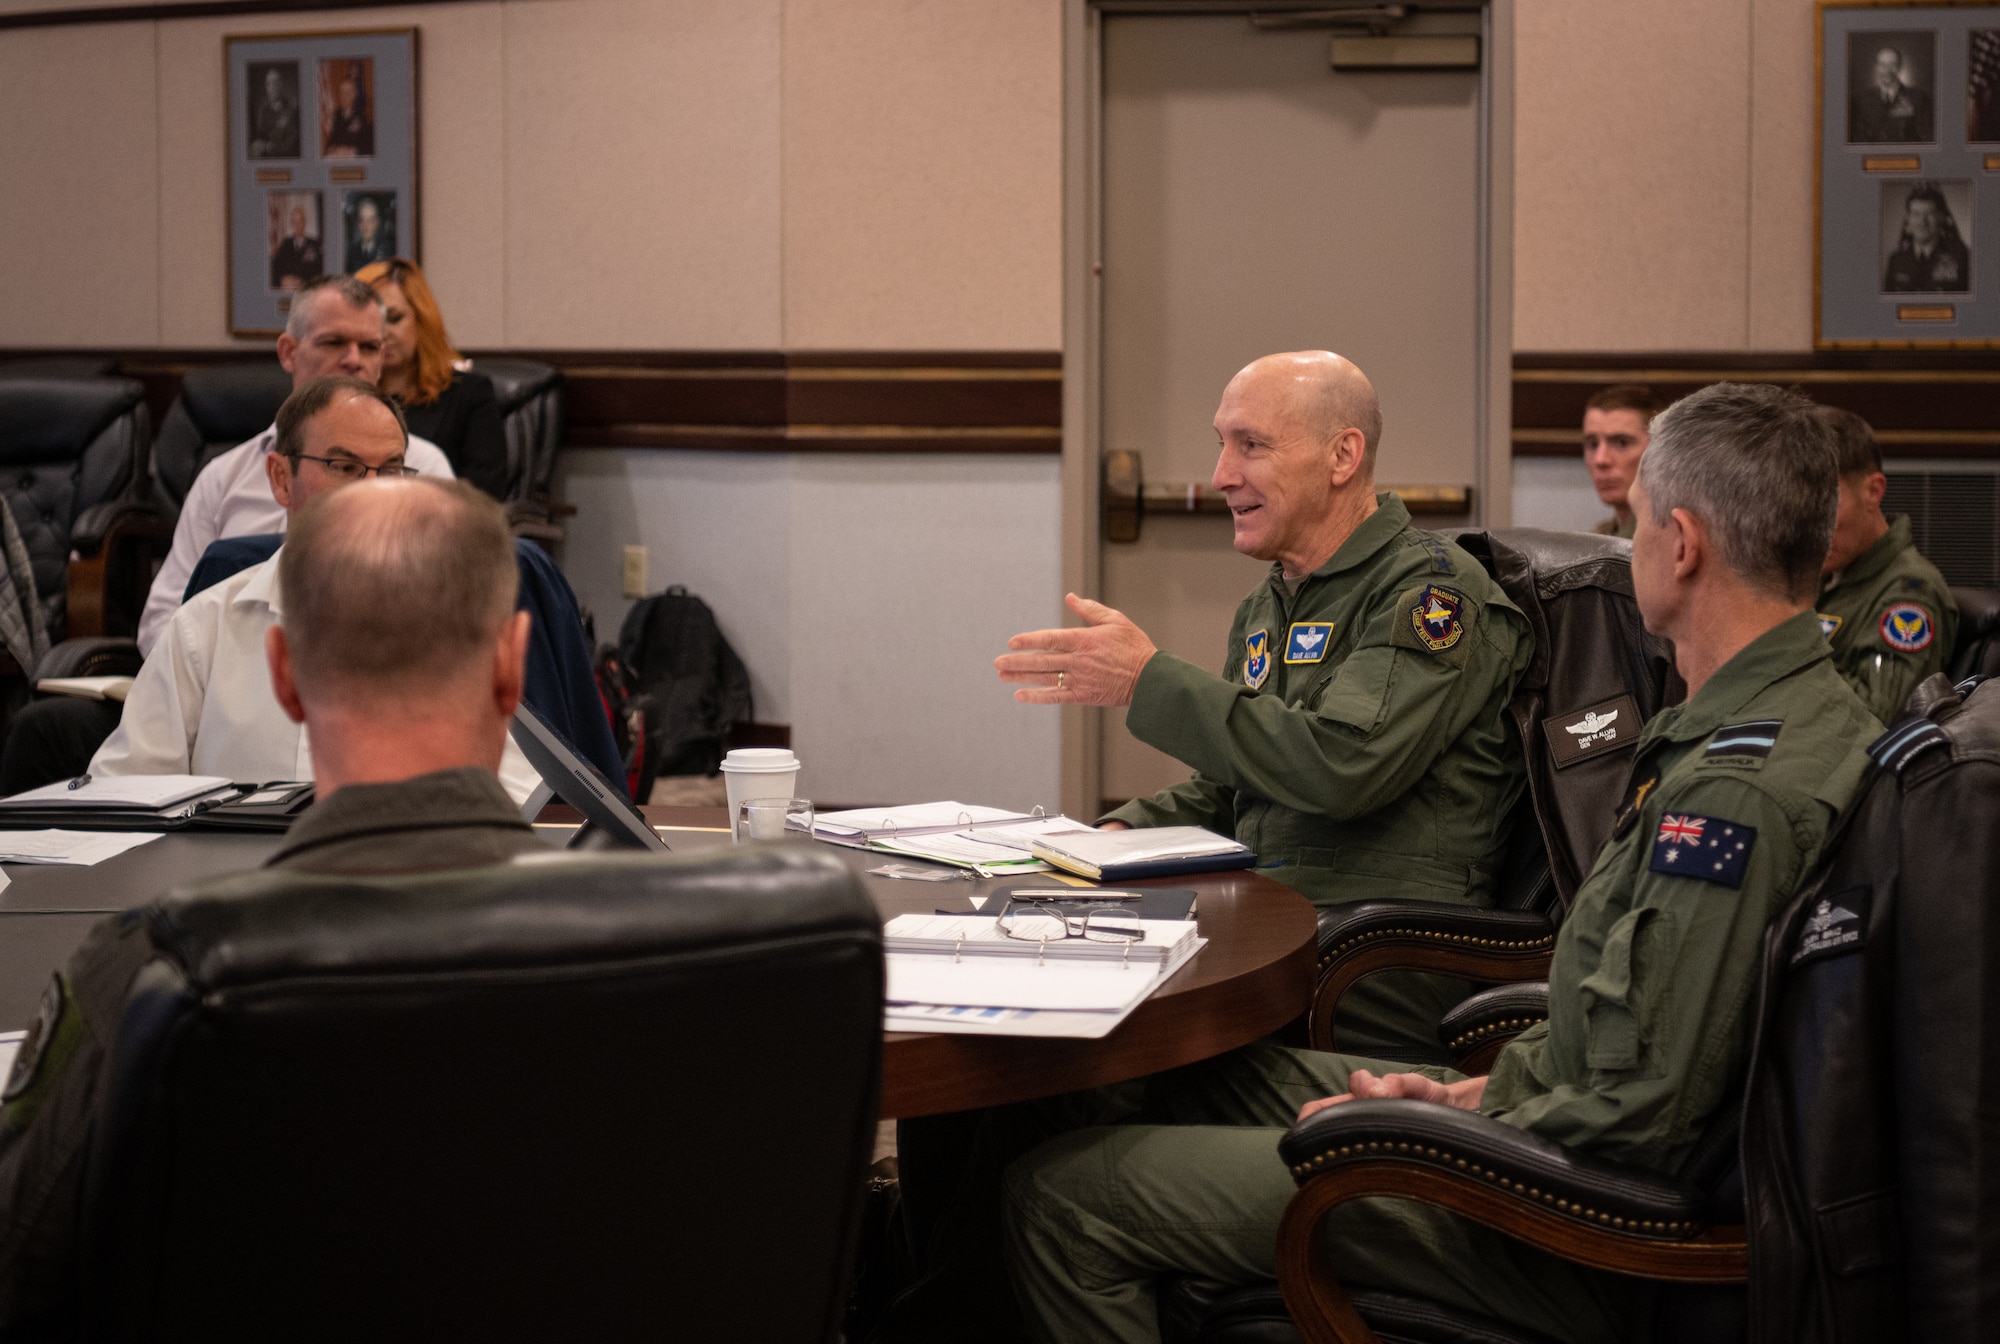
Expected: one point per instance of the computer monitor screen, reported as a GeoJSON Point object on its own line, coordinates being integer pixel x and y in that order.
{"type": "Point", "coordinates": [608, 818]}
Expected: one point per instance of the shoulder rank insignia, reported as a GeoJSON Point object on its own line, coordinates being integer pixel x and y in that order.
{"type": "Point", "coordinates": [1829, 626]}
{"type": "Point", "coordinates": [1435, 618]}
{"type": "Point", "coordinates": [1308, 641]}
{"type": "Point", "coordinates": [1256, 658]}
{"type": "Point", "coordinates": [1907, 628]}
{"type": "Point", "coordinates": [1834, 926]}
{"type": "Point", "coordinates": [1440, 557]}
{"type": "Point", "coordinates": [1709, 848]}
{"type": "Point", "coordinates": [1755, 738]}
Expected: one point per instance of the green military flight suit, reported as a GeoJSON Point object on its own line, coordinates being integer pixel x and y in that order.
{"type": "Point", "coordinates": [1891, 621]}
{"type": "Point", "coordinates": [1731, 797]}
{"type": "Point", "coordinates": [1611, 527]}
{"type": "Point", "coordinates": [1357, 742]}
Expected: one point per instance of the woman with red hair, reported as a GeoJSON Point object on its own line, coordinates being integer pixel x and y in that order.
{"type": "Point", "coordinates": [448, 404]}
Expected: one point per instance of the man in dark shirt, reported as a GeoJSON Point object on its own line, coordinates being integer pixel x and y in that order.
{"type": "Point", "coordinates": [403, 658]}
{"type": "Point", "coordinates": [351, 130]}
{"type": "Point", "coordinates": [1930, 256]}
{"type": "Point", "coordinates": [1889, 111]}
{"type": "Point", "coordinates": [298, 258]}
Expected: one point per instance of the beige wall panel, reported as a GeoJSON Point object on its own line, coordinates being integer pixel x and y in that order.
{"type": "Point", "coordinates": [642, 194]}
{"type": "Point", "coordinates": [1782, 147]}
{"type": "Point", "coordinates": [923, 174]}
{"type": "Point", "coordinates": [79, 207]}
{"type": "Point", "coordinates": [1631, 167]}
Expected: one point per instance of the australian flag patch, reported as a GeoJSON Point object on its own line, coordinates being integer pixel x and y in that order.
{"type": "Point", "coordinates": [1712, 849]}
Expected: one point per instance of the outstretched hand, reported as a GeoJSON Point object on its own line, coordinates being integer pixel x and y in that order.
{"type": "Point", "coordinates": [1097, 663]}
{"type": "Point", "coordinates": [1365, 1086]}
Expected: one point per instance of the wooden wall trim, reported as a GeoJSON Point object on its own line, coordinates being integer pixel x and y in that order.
{"type": "Point", "coordinates": [185, 9]}
{"type": "Point", "coordinates": [1921, 403]}
{"type": "Point", "coordinates": [928, 401]}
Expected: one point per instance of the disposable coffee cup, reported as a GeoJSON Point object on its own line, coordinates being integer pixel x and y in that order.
{"type": "Point", "coordinates": [757, 772]}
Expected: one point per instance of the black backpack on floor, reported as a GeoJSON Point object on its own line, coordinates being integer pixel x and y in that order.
{"type": "Point", "coordinates": [675, 654]}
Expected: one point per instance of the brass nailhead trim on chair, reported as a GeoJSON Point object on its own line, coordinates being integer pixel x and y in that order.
{"type": "Point", "coordinates": [1319, 1160]}
{"type": "Point", "coordinates": [1432, 936]}
{"type": "Point", "coordinates": [1514, 1025]}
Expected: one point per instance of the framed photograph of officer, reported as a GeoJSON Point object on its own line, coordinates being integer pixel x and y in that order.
{"type": "Point", "coordinates": [1891, 89]}
{"type": "Point", "coordinates": [273, 97]}
{"type": "Point", "coordinates": [321, 129]}
{"type": "Point", "coordinates": [1926, 231]}
{"type": "Point", "coordinates": [1907, 102]}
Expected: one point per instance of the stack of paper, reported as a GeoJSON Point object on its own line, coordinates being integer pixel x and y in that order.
{"type": "Point", "coordinates": [989, 841]}
{"type": "Point", "coordinates": [87, 688]}
{"type": "Point", "coordinates": [82, 849]}
{"type": "Point", "coordinates": [960, 973]}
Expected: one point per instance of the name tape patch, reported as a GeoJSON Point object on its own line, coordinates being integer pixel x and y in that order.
{"type": "Point", "coordinates": [1709, 849]}
{"type": "Point", "coordinates": [1834, 926]}
{"type": "Point", "coordinates": [1308, 641]}
{"type": "Point", "coordinates": [1593, 730]}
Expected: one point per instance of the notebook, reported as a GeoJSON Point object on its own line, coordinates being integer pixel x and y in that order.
{"type": "Point", "coordinates": [1151, 851]}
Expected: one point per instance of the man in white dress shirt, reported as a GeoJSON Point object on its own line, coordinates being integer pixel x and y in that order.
{"type": "Point", "coordinates": [203, 702]}
{"type": "Point", "coordinates": [335, 327]}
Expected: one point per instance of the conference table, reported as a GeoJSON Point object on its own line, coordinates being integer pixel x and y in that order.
{"type": "Point", "coordinates": [1254, 976]}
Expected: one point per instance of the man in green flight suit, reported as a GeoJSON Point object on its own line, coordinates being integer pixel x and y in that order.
{"type": "Point", "coordinates": [1730, 799]}
{"type": "Point", "coordinates": [1885, 609]}
{"type": "Point", "coordinates": [1356, 738]}
{"type": "Point", "coordinates": [1615, 436]}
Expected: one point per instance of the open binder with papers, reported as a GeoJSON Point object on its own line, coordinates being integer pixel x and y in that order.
{"type": "Point", "coordinates": [990, 841]}
{"type": "Point", "coordinates": [965, 973]}
{"type": "Point", "coordinates": [158, 803]}
{"type": "Point", "coordinates": [1150, 851]}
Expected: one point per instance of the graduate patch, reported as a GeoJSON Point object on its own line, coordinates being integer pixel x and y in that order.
{"type": "Point", "coordinates": [1593, 730]}
{"type": "Point", "coordinates": [1833, 926]}
{"type": "Point", "coordinates": [1435, 618]}
{"type": "Point", "coordinates": [1907, 628]}
{"type": "Point", "coordinates": [1713, 849]}
{"type": "Point", "coordinates": [1256, 658]}
{"type": "Point", "coordinates": [1308, 641]}
{"type": "Point", "coordinates": [1829, 626]}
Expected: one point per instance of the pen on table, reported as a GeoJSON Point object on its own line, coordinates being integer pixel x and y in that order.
{"type": "Point", "coordinates": [80, 780]}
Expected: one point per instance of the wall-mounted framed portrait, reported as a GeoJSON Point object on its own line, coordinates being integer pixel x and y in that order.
{"type": "Point", "coordinates": [322, 162]}
{"type": "Point", "coordinates": [1906, 228]}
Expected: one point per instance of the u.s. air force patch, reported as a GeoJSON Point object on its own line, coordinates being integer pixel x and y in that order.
{"type": "Point", "coordinates": [1829, 626]}
{"type": "Point", "coordinates": [1256, 658]}
{"type": "Point", "coordinates": [1907, 628]}
{"type": "Point", "coordinates": [1435, 618]}
{"type": "Point", "coordinates": [1711, 849]}
{"type": "Point", "coordinates": [1307, 641]}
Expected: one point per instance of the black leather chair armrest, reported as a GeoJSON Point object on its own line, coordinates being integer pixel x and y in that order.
{"type": "Point", "coordinates": [97, 657]}
{"type": "Point", "coordinates": [1585, 1210]}
{"type": "Point", "coordinates": [1474, 944]}
{"type": "Point", "coordinates": [101, 522]}
{"type": "Point", "coordinates": [1477, 1030]}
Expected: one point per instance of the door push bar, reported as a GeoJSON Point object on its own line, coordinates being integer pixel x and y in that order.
{"type": "Point", "coordinates": [1127, 497]}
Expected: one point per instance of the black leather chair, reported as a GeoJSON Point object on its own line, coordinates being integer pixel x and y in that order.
{"type": "Point", "coordinates": [218, 408]}
{"type": "Point", "coordinates": [1977, 653]}
{"type": "Point", "coordinates": [61, 366]}
{"type": "Point", "coordinates": [530, 396]}
{"type": "Point", "coordinates": [1591, 648]}
{"type": "Point", "coordinates": [72, 469]}
{"type": "Point", "coordinates": [573, 1097]}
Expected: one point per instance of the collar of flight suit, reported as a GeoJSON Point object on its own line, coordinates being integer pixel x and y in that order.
{"type": "Point", "coordinates": [1788, 647]}
{"type": "Point", "coordinates": [1877, 557]}
{"type": "Point", "coordinates": [1375, 532]}
{"type": "Point", "coordinates": [467, 796]}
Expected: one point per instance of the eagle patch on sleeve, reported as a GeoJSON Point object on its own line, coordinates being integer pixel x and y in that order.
{"type": "Point", "coordinates": [1709, 849]}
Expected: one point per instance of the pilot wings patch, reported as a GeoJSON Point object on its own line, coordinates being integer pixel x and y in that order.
{"type": "Point", "coordinates": [1308, 641]}
{"type": "Point", "coordinates": [1593, 730]}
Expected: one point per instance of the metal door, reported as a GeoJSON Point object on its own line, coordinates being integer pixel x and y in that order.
{"type": "Point", "coordinates": [1254, 199]}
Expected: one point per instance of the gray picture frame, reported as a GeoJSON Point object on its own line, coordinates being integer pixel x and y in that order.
{"type": "Point", "coordinates": [317, 123]}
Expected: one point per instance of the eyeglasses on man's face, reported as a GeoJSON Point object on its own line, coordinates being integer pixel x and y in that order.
{"type": "Point", "coordinates": [352, 469]}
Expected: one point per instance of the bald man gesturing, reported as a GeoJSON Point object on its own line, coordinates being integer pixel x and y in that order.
{"type": "Point", "coordinates": [1356, 738]}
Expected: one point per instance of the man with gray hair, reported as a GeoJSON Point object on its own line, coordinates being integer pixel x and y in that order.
{"type": "Point", "coordinates": [202, 703]}
{"type": "Point", "coordinates": [334, 327]}
{"type": "Point", "coordinates": [1730, 799]}
{"type": "Point", "coordinates": [404, 662]}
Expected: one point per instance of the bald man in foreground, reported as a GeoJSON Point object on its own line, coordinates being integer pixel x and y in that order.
{"type": "Point", "coordinates": [1356, 738]}
{"type": "Point", "coordinates": [401, 655]}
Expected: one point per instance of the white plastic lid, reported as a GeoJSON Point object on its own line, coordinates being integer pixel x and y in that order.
{"type": "Point", "coordinates": [760, 760]}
